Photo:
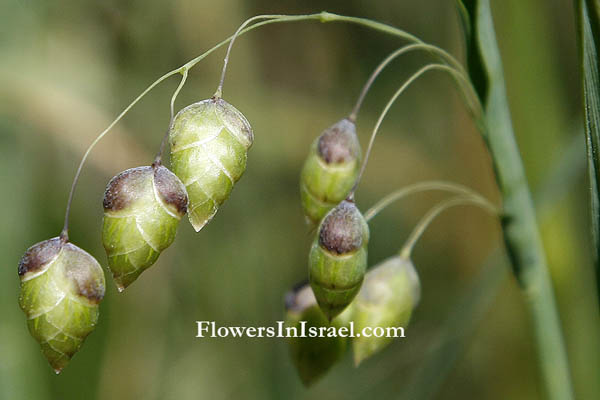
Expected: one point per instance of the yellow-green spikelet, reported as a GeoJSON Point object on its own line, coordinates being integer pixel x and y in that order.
{"type": "Point", "coordinates": [338, 258]}
{"type": "Point", "coordinates": [390, 292]}
{"type": "Point", "coordinates": [330, 170]}
{"type": "Point", "coordinates": [142, 209]}
{"type": "Point", "coordinates": [209, 147]}
{"type": "Point", "coordinates": [61, 288]}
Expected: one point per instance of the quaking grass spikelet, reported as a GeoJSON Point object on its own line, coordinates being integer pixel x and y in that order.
{"type": "Point", "coordinates": [330, 170]}
{"type": "Point", "coordinates": [338, 258]}
{"type": "Point", "coordinates": [209, 147]}
{"type": "Point", "coordinates": [142, 209]}
{"type": "Point", "coordinates": [61, 288]}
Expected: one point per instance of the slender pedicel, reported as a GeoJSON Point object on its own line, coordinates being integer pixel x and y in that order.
{"type": "Point", "coordinates": [391, 289]}
{"type": "Point", "coordinates": [417, 188]}
{"type": "Point", "coordinates": [437, 210]}
{"type": "Point", "coordinates": [405, 85]}
{"type": "Point", "coordinates": [332, 169]}
{"type": "Point", "coordinates": [270, 19]}
{"type": "Point", "coordinates": [403, 50]}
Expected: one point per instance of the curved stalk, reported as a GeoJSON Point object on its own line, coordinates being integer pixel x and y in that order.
{"type": "Point", "coordinates": [405, 85]}
{"type": "Point", "coordinates": [322, 17]}
{"type": "Point", "coordinates": [389, 59]}
{"type": "Point", "coordinates": [437, 210]}
{"type": "Point", "coordinates": [64, 235]}
{"type": "Point", "coordinates": [158, 158]}
{"type": "Point", "coordinates": [417, 188]}
{"type": "Point", "coordinates": [219, 91]}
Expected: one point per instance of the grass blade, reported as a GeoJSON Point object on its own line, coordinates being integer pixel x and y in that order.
{"type": "Point", "coordinates": [589, 41]}
{"type": "Point", "coordinates": [466, 314]}
{"type": "Point", "coordinates": [519, 226]}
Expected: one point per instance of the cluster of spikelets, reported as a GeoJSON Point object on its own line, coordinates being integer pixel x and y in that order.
{"type": "Point", "coordinates": [389, 293]}
{"type": "Point", "coordinates": [340, 289]}
{"type": "Point", "coordinates": [62, 285]}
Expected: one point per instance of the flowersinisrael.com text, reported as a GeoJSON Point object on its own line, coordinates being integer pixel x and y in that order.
{"type": "Point", "coordinates": [209, 329]}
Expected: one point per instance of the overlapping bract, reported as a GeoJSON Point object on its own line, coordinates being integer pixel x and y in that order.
{"type": "Point", "coordinates": [338, 258]}
{"type": "Point", "coordinates": [61, 287]}
{"type": "Point", "coordinates": [142, 208]}
{"type": "Point", "coordinates": [209, 147]}
{"type": "Point", "coordinates": [387, 298]}
{"type": "Point", "coordinates": [330, 170]}
{"type": "Point", "coordinates": [389, 294]}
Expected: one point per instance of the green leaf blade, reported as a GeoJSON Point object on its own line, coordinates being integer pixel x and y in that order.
{"type": "Point", "coordinates": [589, 31]}
{"type": "Point", "coordinates": [521, 236]}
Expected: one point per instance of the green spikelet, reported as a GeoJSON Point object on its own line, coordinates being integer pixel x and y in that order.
{"type": "Point", "coordinates": [313, 357]}
{"type": "Point", "coordinates": [61, 287]}
{"type": "Point", "coordinates": [330, 170]}
{"type": "Point", "coordinates": [338, 258]}
{"type": "Point", "coordinates": [209, 147]}
{"type": "Point", "coordinates": [142, 208]}
{"type": "Point", "coordinates": [389, 294]}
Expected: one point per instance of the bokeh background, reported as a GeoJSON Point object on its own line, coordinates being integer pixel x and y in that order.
{"type": "Point", "coordinates": [67, 68]}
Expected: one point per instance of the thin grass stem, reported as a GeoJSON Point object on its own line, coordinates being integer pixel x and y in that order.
{"type": "Point", "coordinates": [420, 228]}
{"type": "Point", "coordinates": [417, 188]}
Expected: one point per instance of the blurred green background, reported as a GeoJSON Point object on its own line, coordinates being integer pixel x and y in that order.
{"type": "Point", "coordinates": [67, 68]}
